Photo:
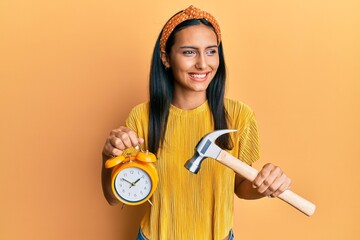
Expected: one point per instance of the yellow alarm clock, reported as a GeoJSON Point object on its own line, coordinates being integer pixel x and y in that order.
{"type": "Point", "coordinates": [134, 178]}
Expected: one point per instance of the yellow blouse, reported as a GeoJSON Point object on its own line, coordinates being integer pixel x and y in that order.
{"type": "Point", "coordinates": [189, 206]}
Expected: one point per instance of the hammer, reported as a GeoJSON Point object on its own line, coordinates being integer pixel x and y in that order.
{"type": "Point", "coordinates": [206, 148]}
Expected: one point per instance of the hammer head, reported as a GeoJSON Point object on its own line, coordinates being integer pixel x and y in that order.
{"type": "Point", "coordinates": [205, 148]}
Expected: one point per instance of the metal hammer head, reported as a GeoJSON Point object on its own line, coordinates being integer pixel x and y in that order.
{"type": "Point", "coordinates": [205, 148]}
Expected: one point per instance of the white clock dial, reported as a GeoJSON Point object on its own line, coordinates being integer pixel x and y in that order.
{"type": "Point", "coordinates": [133, 184]}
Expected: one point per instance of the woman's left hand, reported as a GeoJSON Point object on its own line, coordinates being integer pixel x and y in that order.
{"type": "Point", "coordinates": [271, 181]}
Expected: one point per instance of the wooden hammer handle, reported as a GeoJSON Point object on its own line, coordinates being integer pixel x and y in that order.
{"type": "Point", "coordinates": [250, 174]}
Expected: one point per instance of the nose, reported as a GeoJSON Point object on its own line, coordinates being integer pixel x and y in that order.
{"type": "Point", "coordinates": [201, 61]}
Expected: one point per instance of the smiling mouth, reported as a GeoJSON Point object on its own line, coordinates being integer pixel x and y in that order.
{"type": "Point", "coordinates": [198, 76]}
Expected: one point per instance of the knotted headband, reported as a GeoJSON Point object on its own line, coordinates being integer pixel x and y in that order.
{"type": "Point", "coordinates": [187, 14]}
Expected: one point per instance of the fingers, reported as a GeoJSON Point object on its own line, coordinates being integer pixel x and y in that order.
{"type": "Point", "coordinates": [120, 139]}
{"type": "Point", "coordinates": [123, 138]}
{"type": "Point", "coordinates": [271, 181]}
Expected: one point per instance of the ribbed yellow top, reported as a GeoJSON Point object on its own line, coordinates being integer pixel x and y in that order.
{"type": "Point", "coordinates": [189, 206]}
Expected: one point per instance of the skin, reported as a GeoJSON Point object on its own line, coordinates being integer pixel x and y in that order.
{"type": "Point", "coordinates": [194, 60]}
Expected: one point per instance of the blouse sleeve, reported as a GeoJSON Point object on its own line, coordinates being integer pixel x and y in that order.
{"type": "Point", "coordinates": [249, 141]}
{"type": "Point", "coordinates": [138, 122]}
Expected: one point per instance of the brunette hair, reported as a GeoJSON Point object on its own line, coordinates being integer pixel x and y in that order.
{"type": "Point", "coordinates": [161, 92]}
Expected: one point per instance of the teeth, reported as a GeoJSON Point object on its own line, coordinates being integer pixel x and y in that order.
{"type": "Point", "coordinates": [198, 75]}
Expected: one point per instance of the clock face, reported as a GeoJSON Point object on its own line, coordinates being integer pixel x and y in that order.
{"type": "Point", "coordinates": [133, 184]}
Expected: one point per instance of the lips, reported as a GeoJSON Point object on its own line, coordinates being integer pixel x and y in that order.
{"type": "Point", "coordinates": [198, 76]}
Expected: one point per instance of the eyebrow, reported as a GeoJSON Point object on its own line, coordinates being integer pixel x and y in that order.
{"type": "Point", "coordinates": [192, 47]}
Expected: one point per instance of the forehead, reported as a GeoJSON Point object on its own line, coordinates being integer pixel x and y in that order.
{"type": "Point", "coordinates": [196, 35]}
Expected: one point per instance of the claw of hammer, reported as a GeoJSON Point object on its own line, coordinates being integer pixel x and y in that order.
{"type": "Point", "coordinates": [206, 147]}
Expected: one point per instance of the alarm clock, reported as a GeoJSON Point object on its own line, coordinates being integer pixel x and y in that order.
{"type": "Point", "coordinates": [134, 178]}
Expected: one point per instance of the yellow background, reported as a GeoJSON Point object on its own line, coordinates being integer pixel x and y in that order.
{"type": "Point", "coordinates": [71, 70]}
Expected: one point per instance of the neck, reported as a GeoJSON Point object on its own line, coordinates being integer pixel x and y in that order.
{"type": "Point", "coordinates": [189, 101]}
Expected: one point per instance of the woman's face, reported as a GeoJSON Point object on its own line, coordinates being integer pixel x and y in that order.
{"type": "Point", "coordinates": [193, 59]}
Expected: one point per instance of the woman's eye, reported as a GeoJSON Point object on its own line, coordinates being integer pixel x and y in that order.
{"type": "Point", "coordinates": [188, 52]}
{"type": "Point", "coordinates": [211, 52]}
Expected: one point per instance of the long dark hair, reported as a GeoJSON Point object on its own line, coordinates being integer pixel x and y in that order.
{"type": "Point", "coordinates": [161, 93]}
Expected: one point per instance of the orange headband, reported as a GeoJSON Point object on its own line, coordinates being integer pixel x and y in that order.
{"type": "Point", "coordinates": [189, 13]}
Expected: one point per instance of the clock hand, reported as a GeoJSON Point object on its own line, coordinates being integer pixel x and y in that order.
{"type": "Point", "coordinates": [127, 181]}
{"type": "Point", "coordinates": [134, 183]}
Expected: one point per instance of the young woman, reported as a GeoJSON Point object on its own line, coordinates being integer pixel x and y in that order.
{"type": "Point", "coordinates": [187, 85]}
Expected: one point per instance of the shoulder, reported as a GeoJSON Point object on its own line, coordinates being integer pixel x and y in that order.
{"type": "Point", "coordinates": [139, 112]}
{"type": "Point", "coordinates": [240, 115]}
{"type": "Point", "coordinates": [237, 108]}
{"type": "Point", "coordinates": [142, 108]}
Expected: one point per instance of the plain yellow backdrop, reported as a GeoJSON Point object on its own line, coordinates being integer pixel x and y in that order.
{"type": "Point", "coordinates": [70, 71]}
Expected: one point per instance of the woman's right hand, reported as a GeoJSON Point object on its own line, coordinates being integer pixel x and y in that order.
{"type": "Point", "coordinates": [120, 139]}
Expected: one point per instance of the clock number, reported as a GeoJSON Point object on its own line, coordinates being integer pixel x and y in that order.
{"type": "Point", "coordinates": [132, 172]}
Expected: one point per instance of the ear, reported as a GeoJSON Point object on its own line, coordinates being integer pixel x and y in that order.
{"type": "Point", "coordinates": [165, 59]}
